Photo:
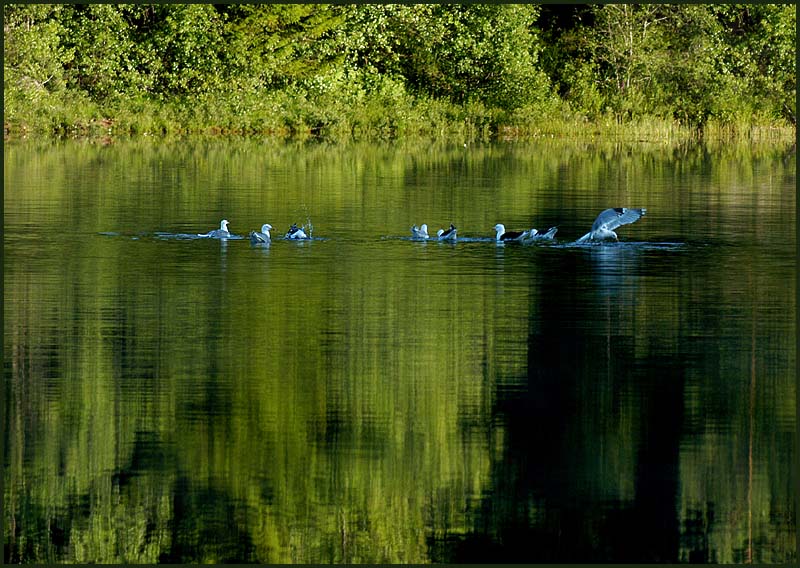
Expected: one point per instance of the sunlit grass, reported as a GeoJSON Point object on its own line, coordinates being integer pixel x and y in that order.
{"type": "Point", "coordinates": [374, 117]}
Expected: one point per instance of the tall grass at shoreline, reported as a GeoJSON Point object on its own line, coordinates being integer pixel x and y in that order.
{"type": "Point", "coordinates": [376, 117]}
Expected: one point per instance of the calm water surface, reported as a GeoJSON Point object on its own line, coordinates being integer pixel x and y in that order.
{"type": "Point", "coordinates": [366, 398]}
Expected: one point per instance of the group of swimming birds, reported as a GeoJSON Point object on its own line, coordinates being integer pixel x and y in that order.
{"type": "Point", "coordinates": [256, 237]}
{"type": "Point", "coordinates": [602, 229]}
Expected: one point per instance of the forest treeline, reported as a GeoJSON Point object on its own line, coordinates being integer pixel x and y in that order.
{"type": "Point", "coordinates": [369, 71]}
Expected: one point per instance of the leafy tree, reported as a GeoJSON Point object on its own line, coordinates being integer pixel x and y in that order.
{"type": "Point", "coordinates": [692, 63]}
{"type": "Point", "coordinates": [277, 44]}
{"type": "Point", "coordinates": [480, 52]}
{"type": "Point", "coordinates": [629, 44]}
{"type": "Point", "coordinates": [189, 47]}
{"type": "Point", "coordinates": [374, 36]}
{"type": "Point", "coordinates": [33, 53]}
{"type": "Point", "coordinates": [568, 55]}
{"type": "Point", "coordinates": [778, 45]}
{"type": "Point", "coordinates": [695, 62]}
{"type": "Point", "coordinates": [104, 55]}
{"type": "Point", "coordinates": [759, 50]}
{"type": "Point", "coordinates": [686, 79]}
{"type": "Point", "coordinates": [486, 53]}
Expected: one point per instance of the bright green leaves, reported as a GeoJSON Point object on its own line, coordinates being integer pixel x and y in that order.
{"type": "Point", "coordinates": [278, 44]}
{"type": "Point", "coordinates": [219, 65]}
{"type": "Point", "coordinates": [33, 53]}
{"type": "Point", "coordinates": [188, 44]}
{"type": "Point", "coordinates": [775, 51]}
{"type": "Point", "coordinates": [103, 63]}
{"type": "Point", "coordinates": [476, 53]}
{"type": "Point", "coordinates": [689, 62]}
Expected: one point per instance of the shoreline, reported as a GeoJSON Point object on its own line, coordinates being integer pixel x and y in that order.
{"type": "Point", "coordinates": [109, 130]}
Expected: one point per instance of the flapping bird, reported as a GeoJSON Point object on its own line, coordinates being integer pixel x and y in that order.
{"type": "Point", "coordinates": [295, 233]}
{"type": "Point", "coordinates": [603, 227]}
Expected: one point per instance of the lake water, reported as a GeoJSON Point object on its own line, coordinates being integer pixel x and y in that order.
{"type": "Point", "coordinates": [362, 397]}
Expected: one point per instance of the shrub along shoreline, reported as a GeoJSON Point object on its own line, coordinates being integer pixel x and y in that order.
{"type": "Point", "coordinates": [353, 72]}
{"type": "Point", "coordinates": [428, 120]}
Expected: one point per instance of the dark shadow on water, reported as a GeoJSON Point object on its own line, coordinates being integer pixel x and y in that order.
{"type": "Point", "coordinates": [206, 528]}
{"type": "Point", "coordinates": [549, 498]}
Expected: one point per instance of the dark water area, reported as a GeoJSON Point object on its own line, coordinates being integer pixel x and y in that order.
{"type": "Point", "coordinates": [365, 397]}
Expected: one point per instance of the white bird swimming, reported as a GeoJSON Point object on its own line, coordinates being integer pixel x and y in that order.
{"type": "Point", "coordinates": [603, 227]}
{"type": "Point", "coordinates": [221, 233]}
{"type": "Point", "coordinates": [420, 232]}
{"type": "Point", "coordinates": [450, 234]}
{"type": "Point", "coordinates": [508, 236]}
{"type": "Point", "coordinates": [295, 233]}
{"type": "Point", "coordinates": [262, 237]}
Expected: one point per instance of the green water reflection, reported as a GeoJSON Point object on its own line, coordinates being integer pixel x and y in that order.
{"type": "Point", "coordinates": [365, 398]}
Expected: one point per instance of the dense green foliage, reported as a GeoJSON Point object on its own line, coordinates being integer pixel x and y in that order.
{"type": "Point", "coordinates": [390, 70]}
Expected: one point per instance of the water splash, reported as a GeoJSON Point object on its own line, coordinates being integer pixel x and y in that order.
{"type": "Point", "coordinates": [308, 226]}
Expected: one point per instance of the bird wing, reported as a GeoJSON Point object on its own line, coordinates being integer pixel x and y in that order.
{"type": "Point", "coordinates": [610, 219]}
{"type": "Point", "coordinates": [512, 235]}
{"type": "Point", "coordinates": [549, 234]}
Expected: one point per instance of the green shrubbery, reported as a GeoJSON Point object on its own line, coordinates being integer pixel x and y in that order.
{"type": "Point", "coordinates": [383, 71]}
